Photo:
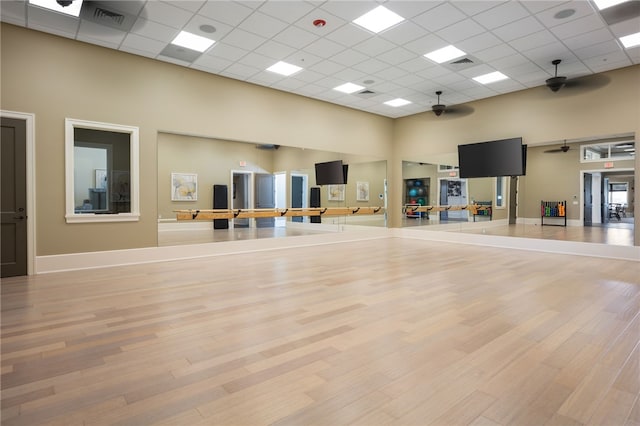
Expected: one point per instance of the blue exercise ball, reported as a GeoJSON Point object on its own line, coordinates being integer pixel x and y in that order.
{"type": "Point", "coordinates": [417, 183]}
{"type": "Point", "coordinates": [413, 192]}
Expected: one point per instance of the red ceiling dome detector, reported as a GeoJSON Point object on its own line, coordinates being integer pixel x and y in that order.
{"type": "Point", "coordinates": [319, 23]}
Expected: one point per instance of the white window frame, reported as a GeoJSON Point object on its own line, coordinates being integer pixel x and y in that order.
{"type": "Point", "coordinates": [608, 156]}
{"type": "Point", "coordinates": [505, 183]}
{"type": "Point", "coordinates": [134, 146]}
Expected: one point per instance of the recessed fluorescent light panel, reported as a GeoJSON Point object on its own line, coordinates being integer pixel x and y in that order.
{"type": "Point", "coordinates": [445, 54]}
{"type": "Point", "coordinates": [632, 40]}
{"type": "Point", "coordinates": [379, 19]}
{"type": "Point", "coordinates": [192, 41]}
{"type": "Point", "coordinates": [73, 9]}
{"type": "Point", "coordinates": [490, 78]}
{"type": "Point", "coordinates": [348, 88]}
{"type": "Point", "coordinates": [398, 102]}
{"type": "Point", "coordinates": [603, 4]}
{"type": "Point", "coordinates": [284, 68]}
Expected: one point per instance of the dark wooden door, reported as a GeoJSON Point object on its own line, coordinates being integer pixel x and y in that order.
{"type": "Point", "coordinates": [13, 198]}
{"type": "Point", "coordinates": [296, 195]}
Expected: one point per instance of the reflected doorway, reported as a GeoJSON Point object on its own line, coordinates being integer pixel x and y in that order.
{"type": "Point", "coordinates": [299, 194]}
{"type": "Point", "coordinates": [241, 195]}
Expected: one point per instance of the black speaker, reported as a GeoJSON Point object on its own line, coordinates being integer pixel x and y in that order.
{"type": "Point", "coordinates": [314, 201]}
{"type": "Point", "coordinates": [220, 201]}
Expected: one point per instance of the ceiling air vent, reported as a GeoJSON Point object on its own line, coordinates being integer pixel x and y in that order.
{"type": "Point", "coordinates": [462, 61]}
{"type": "Point", "coordinates": [107, 14]}
{"type": "Point", "coordinates": [366, 93]}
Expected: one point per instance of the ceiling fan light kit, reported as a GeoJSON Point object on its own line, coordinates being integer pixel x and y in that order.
{"type": "Point", "coordinates": [556, 82]}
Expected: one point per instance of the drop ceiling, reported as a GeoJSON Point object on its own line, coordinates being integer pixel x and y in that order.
{"type": "Point", "coordinates": [516, 38]}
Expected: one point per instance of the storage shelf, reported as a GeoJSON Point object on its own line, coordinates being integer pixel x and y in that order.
{"type": "Point", "coordinates": [553, 209]}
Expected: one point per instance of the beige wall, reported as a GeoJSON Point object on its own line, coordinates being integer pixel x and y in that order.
{"type": "Point", "coordinates": [55, 78]}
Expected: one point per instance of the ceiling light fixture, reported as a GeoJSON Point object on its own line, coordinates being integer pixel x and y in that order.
{"type": "Point", "coordinates": [492, 77]}
{"type": "Point", "coordinates": [398, 102]}
{"type": "Point", "coordinates": [445, 54]}
{"type": "Point", "coordinates": [192, 41]}
{"type": "Point", "coordinates": [348, 88]}
{"type": "Point", "coordinates": [632, 40]}
{"type": "Point", "coordinates": [603, 4]}
{"type": "Point", "coordinates": [378, 19]}
{"type": "Point", "coordinates": [284, 68]}
{"type": "Point", "coordinates": [71, 8]}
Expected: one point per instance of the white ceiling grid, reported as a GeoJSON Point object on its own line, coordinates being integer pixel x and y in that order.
{"type": "Point", "coordinates": [517, 38]}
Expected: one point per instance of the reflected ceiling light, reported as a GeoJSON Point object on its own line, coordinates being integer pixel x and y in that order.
{"type": "Point", "coordinates": [192, 41]}
{"type": "Point", "coordinates": [284, 68]}
{"type": "Point", "coordinates": [603, 4]}
{"type": "Point", "coordinates": [445, 54]}
{"type": "Point", "coordinates": [379, 19]}
{"type": "Point", "coordinates": [398, 102]}
{"type": "Point", "coordinates": [492, 77]}
{"type": "Point", "coordinates": [72, 9]}
{"type": "Point", "coordinates": [631, 40]}
{"type": "Point", "coordinates": [348, 88]}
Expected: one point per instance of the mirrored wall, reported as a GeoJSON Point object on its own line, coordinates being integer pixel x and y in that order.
{"type": "Point", "coordinates": [197, 173]}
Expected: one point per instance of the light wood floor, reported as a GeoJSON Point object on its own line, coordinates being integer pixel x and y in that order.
{"type": "Point", "coordinates": [389, 331]}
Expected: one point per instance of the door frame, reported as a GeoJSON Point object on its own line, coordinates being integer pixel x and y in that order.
{"type": "Point", "coordinates": [250, 193]}
{"type": "Point", "coordinates": [581, 191]}
{"type": "Point", "coordinates": [30, 122]}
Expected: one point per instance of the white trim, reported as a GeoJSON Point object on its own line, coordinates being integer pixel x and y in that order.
{"type": "Point", "coordinates": [581, 180]}
{"type": "Point", "coordinates": [134, 180]}
{"type": "Point", "coordinates": [30, 120]}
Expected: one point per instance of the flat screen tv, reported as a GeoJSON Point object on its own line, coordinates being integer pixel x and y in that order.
{"type": "Point", "coordinates": [331, 173]}
{"type": "Point", "coordinates": [505, 157]}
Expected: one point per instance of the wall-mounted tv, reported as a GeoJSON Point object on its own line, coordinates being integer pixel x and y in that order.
{"type": "Point", "coordinates": [505, 157]}
{"type": "Point", "coordinates": [331, 173]}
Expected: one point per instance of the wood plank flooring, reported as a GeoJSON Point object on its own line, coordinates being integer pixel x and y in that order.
{"type": "Point", "coordinates": [380, 332]}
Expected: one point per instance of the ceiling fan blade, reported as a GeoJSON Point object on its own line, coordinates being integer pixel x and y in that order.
{"type": "Point", "coordinates": [457, 111]}
{"type": "Point", "coordinates": [553, 151]}
{"type": "Point", "coordinates": [587, 82]}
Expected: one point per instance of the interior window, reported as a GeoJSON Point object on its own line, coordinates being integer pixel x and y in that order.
{"type": "Point", "coordinates": [500, 189]}
{"type": "Point", "coordinates": [101, 172]}
{"type": "Point", "coordinates": [624, 150]}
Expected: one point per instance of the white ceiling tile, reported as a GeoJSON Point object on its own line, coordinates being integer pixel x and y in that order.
{"type": "Point", "coordinates": [324, 48]}
{"type": "Point", "coordinates": [243, 39]}
{"type": "Point", "coordinates": [496, 52]}
{"type": "Point", "coordinates": [518, 29]}
{"type": "Point", "coordinates": [231, 13]}
{"type": "Point", "coordinates": [501, 15]}
{"type": "Point", "coordinates": [326, 68]}
{"type": "Point", "coordinates": [403, 33]}
{"type": "Point", "coordinates": [371, 65]}
{"type": "Point", "coordinates": [478, 43]}
{"type": "Point", "coordinates": [142, 44]}
{"type": "Point", "coordinates": [289, 84]}
{"type": "Point", "coordinates": [506, 86]}
{"type": "Point", "coordinates": [13, 12]}
{"type": "Point", "coordinates": [433, 72]}
{"type": "Point", "coordinates": [275, 50]}
{"type": "Point", "coordinates": [578, 26]}
{"type": "Point", "coordinates": [545, 54]}
{"type": "Point", "coordinates": [329, 82]}
{"type": "Point", "coordinates": [387, 87]}
{"type": "Point", "coordinates": [173, 61]}
{"type": "Point", "coordinates": [473, 7]}
{"type": "Point", "coordinates": [582, 8]}
{"type": "Point", "coordinates": [303, 59]}
{"type": "Point", "coordinates": [416, 65]}
{"type": "Point", "coordinates": [462, 30]}
{"type": "Point", "coordinates": [532, 79]}
{"type": "Point", "coordinates": [511, 61]}
{"type": "Point", "coordinates": [350, 75]}
{"type": "Point", "coordinates": [589, 39]}
{"type": "Point", "coordinates": [535, 6]}
{"type": "Point", "coordinates": [263, 25]}
{"type": "Point", "coordinates": [374, 46]}
{"type": "Point", "coordinates": [410, 8]}
{"type": "Point", "coordinates": [598, 65]}
{"type": "Point", "coordinates": [408, 80]}
{"type": "Point", "coordinates": [193, 26]}
{"type": "Point", "coordinates": [210, 63]}
{"type": "Point", "coordinates": [477, 70]}
{"type": "Point", "coordinates": [627, 27]}
{"type": "Point", "coordinates": [106, 35]}
{"type": "Point", "coordinates": [597, 50]}
{"type": "Point", "coordinates": [225, 51]}
{"type": "Point", "coordinates": [348, 35]}
{"type": "Point", "coordinates": [288, 11]}
{"type": "Point", "coordinates": [241, 71]}
{"type": "Point", "coordinates": [311, 90]}
{"type": "Point", "coordinates": [39, 18]}
{"type": "Point", "coordinates": [308, 76]}
{"type": "Point", "coordinates": [348, 10]}
{"type": "Point", "coordinates": [295, 37]}
{"type": "Point", "coordinates": [426, 44]}
{"type": "Point", "coordinates": [333, 22]}
{"type": "Point", "coordinates": [480, 92]}
{"type": "Point", "coordinates": [439, 17]}
{"type": "Point", "coordinates": [190, 5]}
{"type": "Point", "coordinates": [258, 61]}
{"type": "Point", "coordinates": [265, 78]}
{"type": "Point", "coordinates": [166, 14]}
{"type": "Point", "coordinates": [349, 57]}
{"type": "Point", "coordinates": [154, 30]}
{"type": "Point", "coordinates": [533, 41]}
{"type": "Point", "coordinates": [396, 56]}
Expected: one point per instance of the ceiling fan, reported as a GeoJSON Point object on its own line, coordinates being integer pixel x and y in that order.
{"type": "Point", "coordinates": [563, 148]}
{"type": "Point", "coordinates": [458, 110]}
{"type": "Point", "coordinates": [587, 82]}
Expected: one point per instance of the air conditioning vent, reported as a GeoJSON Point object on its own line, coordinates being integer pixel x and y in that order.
{"type": "Point", "coordinates": [101, 14]}
{"type": "Point", "coordinates": [366, 93]}
{"type": "Point", "coordinates": [462, 61]}
{"type": "Point", "coordinates": [108, 14]}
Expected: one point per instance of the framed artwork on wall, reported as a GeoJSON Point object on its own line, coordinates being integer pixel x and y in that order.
{"type": "Point", "coordinates": [362, 191]}
{"type": "Point", "coordinates": [184, 187]}
{"type": "Point", "coordinates": [335, 192]}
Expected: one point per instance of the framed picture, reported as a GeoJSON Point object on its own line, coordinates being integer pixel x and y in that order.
{"type": "Point", "coordinates": [335, 192]}
{"type": "Point", "coordinates": [362, 191]}
{"type": "Point", "coordinates": [184, 187]}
